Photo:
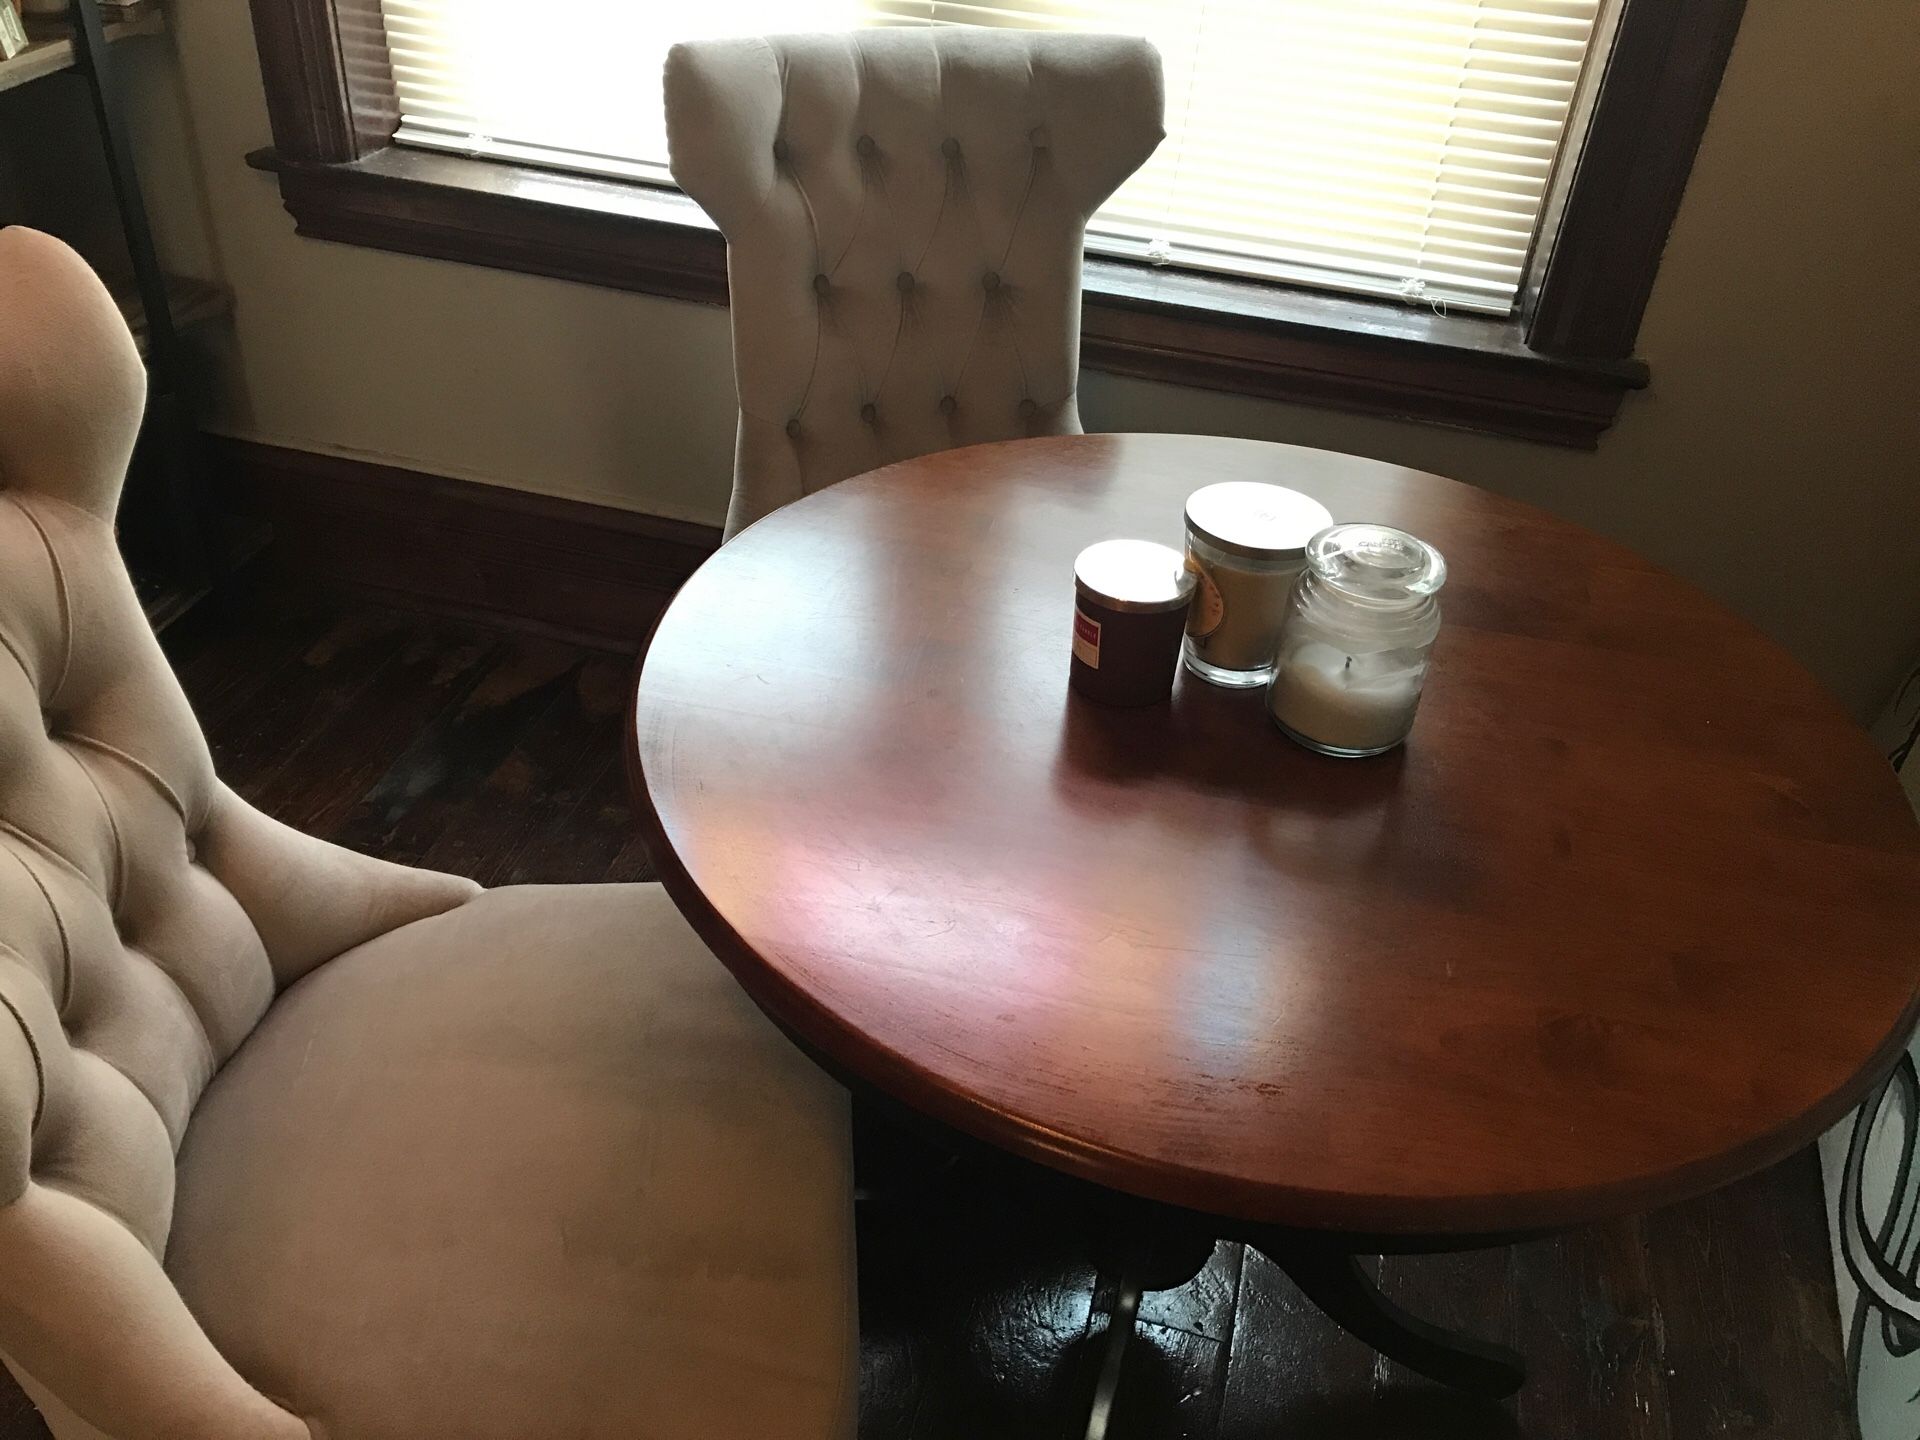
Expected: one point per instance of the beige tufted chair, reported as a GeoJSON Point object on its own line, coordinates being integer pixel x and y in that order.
{"type": "Point", "coordinates": [295, 1143]}
{"type": "Point", "coordinates": [905, 212]}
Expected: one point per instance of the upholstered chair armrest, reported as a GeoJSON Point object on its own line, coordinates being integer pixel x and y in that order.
{"type": "Point", "coordinates": [92, 1321]}
{"type": "Point", "coordinates": [87, 1314]}
{"type": "Point", "coordinates": [310, 900]}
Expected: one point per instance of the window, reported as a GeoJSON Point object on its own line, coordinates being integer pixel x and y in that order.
{"type": "Point", "coordinates": [1399, 148]}
{"type": "Point", "coordinates": [1511, 166]}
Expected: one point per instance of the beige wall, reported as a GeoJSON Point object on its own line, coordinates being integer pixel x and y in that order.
{"type": "Point", "coordinates": [1773, 460]}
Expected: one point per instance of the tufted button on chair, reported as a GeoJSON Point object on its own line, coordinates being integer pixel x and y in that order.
{"type": "Point", "coordinates": [299, 1145]}
{"type": "Point", "coordinates": [905, 211]}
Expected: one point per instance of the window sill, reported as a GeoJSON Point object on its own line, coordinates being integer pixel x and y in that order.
{"type": "Point", "coordinates": [1179, 326]}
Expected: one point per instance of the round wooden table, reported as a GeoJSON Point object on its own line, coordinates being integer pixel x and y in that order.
{"type": "Point", "coordinates": [1632, 914]}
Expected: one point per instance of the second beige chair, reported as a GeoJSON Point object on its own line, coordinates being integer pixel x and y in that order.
{"type": "Point", "coordinates": [905, 212]}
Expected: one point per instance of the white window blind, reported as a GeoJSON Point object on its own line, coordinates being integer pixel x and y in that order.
{"type": "Point", "coordinates": [1389, 147]}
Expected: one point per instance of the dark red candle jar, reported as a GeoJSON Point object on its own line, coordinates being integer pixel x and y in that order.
{"type": "Point", "coordinates": [1130, 602]}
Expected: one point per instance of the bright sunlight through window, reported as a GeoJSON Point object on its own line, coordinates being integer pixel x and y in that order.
{"type": "Point", "coordinates": [1387, 147]}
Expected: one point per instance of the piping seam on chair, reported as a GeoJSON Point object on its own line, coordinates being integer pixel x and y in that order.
{"type": "Point", "coordinates": [860, 87]}
{"type": "Point", "coordinates": [135, 763]}
{"type": "Point", "coordinates": [819, 308]}
{"type": "Point", "coordinates": [159, 1115]}
{"type": "Point", "coordinates": [20, 833]}
{"type": "Point", "coordinates": [1013, 234]}
{"type": "Point", "coordinates": [117, 888]}
{"type": "Point", "coordinates": [907, 298]}
{"type": "Point", "coordinates": [193, 1012]}
{"type": "Point", "coordinates": [940, 211]}
{"type": "Point", "coordinates": [956, 177]}
{"type": "Point", "coordinates": [61, 595]}
{"type": "Point", "coordinates": [899, 329]}
{"type": "Point", "coordinates": [33, 1046]}
{"type": "Point", "coordinates": [1020, 213]}
{"type": "Point", "coordinates": [8, 644]}
{"type": "Point", "coordinates": [60, 928]}
{"type": "Point", "coordinates": [773, 182]}
{"type": "Point", "coordinates": [1044, 107]}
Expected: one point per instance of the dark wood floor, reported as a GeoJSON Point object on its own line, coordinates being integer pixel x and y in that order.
{"type": "Point", "coordinates": [497, 756]}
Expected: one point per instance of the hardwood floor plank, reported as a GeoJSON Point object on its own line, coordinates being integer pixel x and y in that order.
{"type": "Point", "coordinates": [539, 781]}
{"type": "Point", "coordinates": [1172, 1385]}
{"type": "Point", "coordinates": [632, 863]}
{"type": "Point", "coordinates": [1289, 1366]}
{"type": "Point", "coordinates": [309, 692]}
{"type": "Point", "coordinates": [592, 841]}
{"type": "Point", "coordinates": [1584, 1317]}
{"type": "Point", "coordinates": [444, 764]}
{"type": "Point", "coordinates": [226, 663]}
{"type": "Point", "coordinates": [1746, 1320]}
{"type": "Point", "coordinates": [368, 733]}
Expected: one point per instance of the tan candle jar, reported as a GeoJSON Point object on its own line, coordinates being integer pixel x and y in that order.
{"type": "Point", "coordinates": [1247, 543]}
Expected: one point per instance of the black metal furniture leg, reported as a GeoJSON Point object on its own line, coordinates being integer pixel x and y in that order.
{"type": "Point", "coordinates": [1113, 1353]}
{"type": "Point", "coordinates": [1333, 1280]}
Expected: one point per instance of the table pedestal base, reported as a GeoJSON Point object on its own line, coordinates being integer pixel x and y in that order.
{"type": "Point", "coordinates": [1146, 1247]}
{"type": "Point", "coordinates": [1332, 1278]}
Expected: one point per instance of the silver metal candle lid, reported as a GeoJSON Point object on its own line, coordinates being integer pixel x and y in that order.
{"type": "Point", "coordinates": [1261, 522]}
{"type": "Point", "coordinates": [1134, 575]}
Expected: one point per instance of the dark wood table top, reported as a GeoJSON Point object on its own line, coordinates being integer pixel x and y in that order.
{"type": "Point", "coordinates": [1636, 911]}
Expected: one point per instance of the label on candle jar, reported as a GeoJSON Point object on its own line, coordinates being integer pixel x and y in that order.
{"type": "Point", "coordinates": [1208, 609]}
{"type": "Point", "coordinates": [1086, 639]}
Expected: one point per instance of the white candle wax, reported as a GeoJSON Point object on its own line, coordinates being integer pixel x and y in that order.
{"type": "Point", "coordinates": [1344, 701]}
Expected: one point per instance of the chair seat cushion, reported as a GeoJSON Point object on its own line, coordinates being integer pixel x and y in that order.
{"type": "Point", "coordinates": [534, 1169]}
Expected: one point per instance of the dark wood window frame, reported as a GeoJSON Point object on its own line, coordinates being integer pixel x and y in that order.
{"type": "Point", "coordinates": [1555, 372]}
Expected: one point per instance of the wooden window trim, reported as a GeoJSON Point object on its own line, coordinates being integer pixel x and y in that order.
{"type": "Point", "coordinates": [1555, 373]}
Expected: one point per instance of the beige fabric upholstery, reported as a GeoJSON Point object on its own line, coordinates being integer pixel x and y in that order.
{"type": "Point", "coordinates": [905, 211]}
{"type": "Point", "coordinates": [458, 1191]}
{"type": "Point", "coordinates": [149, 918]}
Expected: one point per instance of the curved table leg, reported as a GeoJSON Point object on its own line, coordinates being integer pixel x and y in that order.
{"type": "Point", "coordinates": [1333, 1280]}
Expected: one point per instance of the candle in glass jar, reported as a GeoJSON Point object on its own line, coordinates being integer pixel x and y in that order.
{"type": "Point", "coordinates": [1130, 608]}
{"type": "Point", "coordinates": [1356, 703]}
{"type": "Point", "coordinates": [1358, 637]}
{"type": "Point", "coordinates": [1246, 542]}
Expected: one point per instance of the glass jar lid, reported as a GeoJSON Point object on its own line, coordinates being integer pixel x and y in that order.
{"type": "Point", "coordinates": [1376, 562]}
{"type": "Point", "coordinates": [1134, 575]}
{"type": "Point", "coordinates": [1261, 522]}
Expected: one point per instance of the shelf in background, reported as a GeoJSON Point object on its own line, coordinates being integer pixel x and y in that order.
{"type": "Point", "coordinates": [51, 50]}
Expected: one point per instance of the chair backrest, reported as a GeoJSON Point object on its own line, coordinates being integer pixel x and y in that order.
{"type": "Point", "coordinates": [905, 211]}
{"type": "Point", "coordinates": [148, 915]}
